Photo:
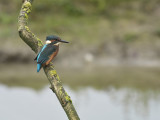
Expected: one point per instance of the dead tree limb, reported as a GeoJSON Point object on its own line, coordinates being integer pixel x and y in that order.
{"type": "Point", "coordinates": [35, 44]}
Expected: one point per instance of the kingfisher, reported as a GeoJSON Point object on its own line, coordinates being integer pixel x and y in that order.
{"type": "Point", "coordinates": [48, 51]}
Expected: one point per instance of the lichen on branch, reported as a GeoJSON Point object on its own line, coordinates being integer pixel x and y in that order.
{"type": "Point", "coordinates": [27, 36]}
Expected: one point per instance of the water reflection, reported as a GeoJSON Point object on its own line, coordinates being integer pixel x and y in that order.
{"type": "Point", "coordinates": [27, 104]}
{"type": "Point", "coordinates": [124, 104]}
{"type": "Point", "coordinates": [123, 93]}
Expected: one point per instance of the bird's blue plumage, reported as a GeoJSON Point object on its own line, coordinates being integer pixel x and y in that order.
{"type": "Point", "coordinates": [41, 51]}
{"type": "Point", "coordinates": [44, 54]}
{"type": "Point", "coordinates": [38, 67]}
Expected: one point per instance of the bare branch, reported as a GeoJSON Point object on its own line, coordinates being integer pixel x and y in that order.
{"type": "Point", "coordinates": [35, 43]}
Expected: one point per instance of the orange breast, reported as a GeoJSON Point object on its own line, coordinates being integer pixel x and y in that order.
{"type": "Point", "coordinates": [51, 57]}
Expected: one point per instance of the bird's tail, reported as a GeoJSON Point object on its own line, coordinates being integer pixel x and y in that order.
{"type": "Point", "coordinates": [38, 67]}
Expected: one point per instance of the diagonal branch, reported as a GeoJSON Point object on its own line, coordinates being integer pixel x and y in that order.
{"type": "Point", "coordinates": [26, 35]}
{"type": "Point", "coordinates": [35, 44]}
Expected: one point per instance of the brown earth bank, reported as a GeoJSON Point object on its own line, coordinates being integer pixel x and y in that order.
{"type": "Point", "coordinates": [97, 55]}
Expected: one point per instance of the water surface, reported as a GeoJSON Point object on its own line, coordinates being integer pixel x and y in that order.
{"type": "Point", "coordinates": [123, 104]}
{"type": "Point", "coordinates": [123, 93]}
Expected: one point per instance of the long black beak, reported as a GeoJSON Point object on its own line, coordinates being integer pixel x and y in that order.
{"type": "Point", "coordinates": [63, 41]}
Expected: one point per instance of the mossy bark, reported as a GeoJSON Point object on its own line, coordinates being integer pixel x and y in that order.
{"type": "Point", "coordinates": [57, 88]}
{"type": "Point", "coordinates": [35, 44]}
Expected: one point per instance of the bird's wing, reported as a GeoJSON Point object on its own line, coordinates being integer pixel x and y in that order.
{"type": "Point", "coordinates": [45, 53]}
{"type": "Point", "coordinates": [38, 53]}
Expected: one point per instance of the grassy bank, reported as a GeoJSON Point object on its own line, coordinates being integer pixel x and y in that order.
{"type": "Point", "coordinates": [118, 29]}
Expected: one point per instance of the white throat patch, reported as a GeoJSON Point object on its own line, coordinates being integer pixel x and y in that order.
{"type": "Point", "coordinates": [48, 42]}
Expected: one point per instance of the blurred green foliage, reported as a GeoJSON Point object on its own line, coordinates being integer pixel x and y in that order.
{"type": "Point", "coordinates": [129, 37]}
{"type": "Point", "coordinates": [75, 7]}
{"type": "Point", "coordinates": [106, 19]}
